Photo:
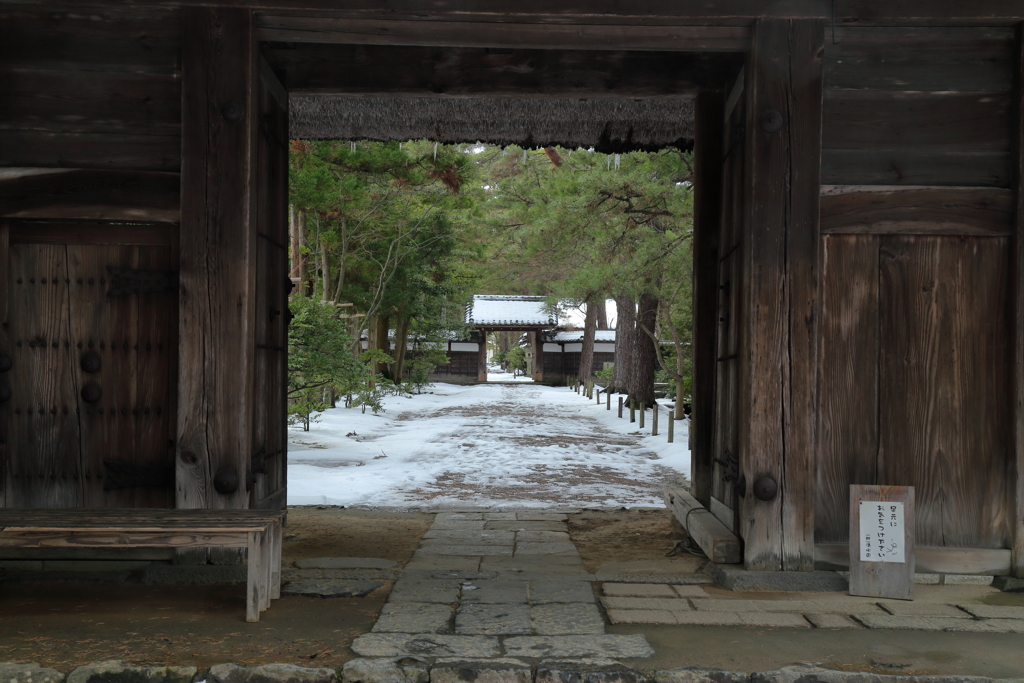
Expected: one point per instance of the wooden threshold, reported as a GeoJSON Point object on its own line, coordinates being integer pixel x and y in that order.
{"type": "Point", "coordinates": [718, 543]}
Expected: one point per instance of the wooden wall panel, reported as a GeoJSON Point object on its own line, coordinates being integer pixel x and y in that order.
{"type": "Point", "coordinates": [1015, 314]}
{"type": "Point", "coordinates": [5, 235]}
{"type": "Point", "coordinates": [990, 168]}
{"type": "Point", "coordinates": [42, 424]}
{"type": "Point", "coordinates": [963, 59]}
{"type": "Point", "coordinates": [848, 379]}
{"type": "Point", "coordinates": [942, 372]}
{"type": "Point", "coordinates": [97, 89]}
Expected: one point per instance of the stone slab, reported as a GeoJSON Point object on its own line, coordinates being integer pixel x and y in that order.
{"type": "Point", "coordinates": [567, 574]}
{"type": "Point", "coordinates": [11, 672]}
{"type": "Point", "coordinates": [265, 673]}
{"type": "Point", "coordinates": [460, 524]}
{"type": "Point", "coordinates": [722, 605]}
{"type": "Point", "coordinates": [862, 606]}
{"type": "Point", "coordinates": [494, 592]}
{"type": "Point", "coordinates": [899, 623]}
{"type": "Point", "coordinates": [414, 617]}
{"type": "Point", "coordinates": [905, 608]}
{"type": "Point", "coordinates": [735, 578]}
{"type": "Point", "coordinates": [547, 549]}
{"type": "Point", "coordinates": [964, 625]}
{"type": "Point", "coordinates": [774, 620]}
{"type": "Point", "coordinates": [669, 566]}
{"type": "Point", "coordinates": [502, 670]}
{"type": "Point", "coordinates": [633, 646]}
{"type": "Point", "coordinates": [566, 619]}
{"type": "Point", "coordinates": [995, 611]}
{"type": "Point", "coordinates": [293, 574]}
{"type": "Point", "coordinates": [444, 563]}
{"type": "Point", "coordinates": [709, 618]}
{"type": "Point", "coordinates": [541, 517]}
{"type": "Point", "coordinates": [543, 592]}
{"type": "Point", "coordinates": [832, 621]}
{"type": "Point", "coordinates": [677, 604]}
{"type": "Point", "coordinates": [425, 590]}
{"type": "Point", "coordinates": [493, 620]}
{"type": "Point", "coordinates": [690, 592]}
{"type": "Point", "coordinates": [554, 564]}
{"type": "Point", "coordinates": [641, 616]}
{"type": "Point", "coordinates": [345, 563]}
{"type": "Point", "coordinates": [424, 645]}
{"type": "Point", "coordinates": [801, 606]}
{"type": "Point", "coordinates": [967, 580]}
{"type": "Point", "coordinates": [448, 516]}
{"type": "Point", "coordinates": [512, 525]}
{"type": "Point", "coordinates": [391, 670]}
{"type": "Point", "coordinates": [427, 548]}
{"type": "Point", "coordinates": [541, 536]}
{"type": "Point", "coordinates": [587, 671]}
{"type": "Point", "coordinates": [638, 590]}
{"type": "Point", "coordinates": [326, 588]}
{"type": "Point", "coordinates": [499, 515]}
{"type": "Point", "coordinates": [471, 536]}
{"type": "Point", "coordinates": [116, 671]}
{"type": "Point", "coordinates": [1008, 584]}
{"type": "Point", "coordinates": [674, 579]}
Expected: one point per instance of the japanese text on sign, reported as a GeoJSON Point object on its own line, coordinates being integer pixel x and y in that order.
{"type": "Point", "coordinates": [881, 531]}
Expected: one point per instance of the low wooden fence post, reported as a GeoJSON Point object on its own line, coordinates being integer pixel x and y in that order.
{"type": "Point", "coordinates": [643, 411]}
{"type": "Point", "coordinates": [608, 401]}
{"type": "Point", "coordinates": [599, 397]}
{"type": "Point", "coordinates": [632, 410]}
{"type": "Point", "coordinates": [671, 426]}
{"type": "Point", "coordinates": [620, 406]}
{"type": "Point", "coordinates": [654, 421]}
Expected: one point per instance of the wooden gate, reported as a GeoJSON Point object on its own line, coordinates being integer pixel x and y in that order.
{"type": "Point", "coordinates": [90, 335]}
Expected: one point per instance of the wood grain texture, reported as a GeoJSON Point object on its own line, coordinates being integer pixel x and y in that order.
{"type": "Point", "coordinates": [882, 579]}
{"type": "Point", "coordinates": [926, 12]}
{"type": "Point", "coordinates": [719, 543]}
{"type": "Point", "coordinates": [942, 369]}
{"type": "Point", "coordinates": [92, 233]}
{"type": "Point", "coordinates": [936, 121]}
{"type": "Point", "coordinates": [42, 425]}
{"type": "Point", "coordinates": [416, 71]}
{"type": "Point", "coordinates": [5, 232]}
{"type": "Point", "coordinates": [126, 539]}
{"type": "Point", "coordinates": [1015, 311]}
{"type": "Point", "coordinates": [847, 379]}
{"type": "Point", "coordinates": [93, 195]}
{"type": "Point", "coordinates": [218, 255]}
{"type": "Point", "coordinates": [915, 167]}
{"type": "Point", "coordinates": [292, 29]}
{"type": "Point", "coordinates": [129, 151]}
{"type": "Point", "coordinates": [882, 210]}
{"type": "Point", "coordinates": [776, 437]}
{"type": "Point", "coordinates": [804, 108]}
{"type": "Point", "coordinates": [707, 215]}
{"type": "Point", "coordinates": [927, 559]}
{"type": "Point", "coordinates": [962, 59]}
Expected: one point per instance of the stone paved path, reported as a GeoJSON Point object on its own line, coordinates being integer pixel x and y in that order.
{"type": "Point", "coordinates": [488, 584]}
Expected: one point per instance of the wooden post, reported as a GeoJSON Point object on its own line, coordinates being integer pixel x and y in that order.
{"type": "Point", "coordinates": [709, 134]}
{"type": "Point", "coordinates": [632, 410]}
{"type": "Point", "coordinates": [671, 427]}
{"type": "Point", "coordinates": [1016, 315]}
{"type": "Point", "coordinates": [620, 407]}
{"type": "Point", "coordinates": [481, 358]}
{"type": "Point", "coordinates": [599, 396]}
{"type": "Point", "coordinates": [654, 420]}
{"type": "Point", "coordinates": [778, 339]}
{"type": "Point", "coordinates": [643, 411]}
{"type": "Point", "coordinates": [608, 401]}
{"type": "Point", "coordinates": [538, 356]}
{"type": "Point", "coordinates": [218, 257]}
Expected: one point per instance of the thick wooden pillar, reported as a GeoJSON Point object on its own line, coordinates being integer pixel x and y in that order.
{"type": "Point", "coordinates": [707, 218]}
{"type": "Point", "coordinates": [218, 258]}
{"type": "Point", "coordinates": [481, 358]}
{"type": "Point", "coordinates": [778, 345]}
{"type": "Point", "coordinates": [537, 340]}
{"type": "Point", "coordinates": [1016, 315]}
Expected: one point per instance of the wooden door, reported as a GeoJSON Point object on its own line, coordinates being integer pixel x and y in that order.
{"type": "Point", "coordinates": [91, 337]}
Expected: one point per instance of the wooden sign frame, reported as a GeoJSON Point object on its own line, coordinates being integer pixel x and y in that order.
{"type": "Point", "coordinates": [882, 579]}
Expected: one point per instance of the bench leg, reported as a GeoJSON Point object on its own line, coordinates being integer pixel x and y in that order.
{"type": "Point", "coordinates": [275, 576]}
{"type": "Point", "coordinates": [255, 577]}
{"type": "Point", "coordinates": [266, 562]}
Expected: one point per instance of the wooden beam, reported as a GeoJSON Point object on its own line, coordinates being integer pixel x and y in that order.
{"type": "Point", "coordinates": [909, 210]}
{"type": "Point", "coordinates": [929, 559]}
{"type": "Point", "coordinates": [1016, 318]}
{"type": "Point", "coordinates": [581, 36]}
{"type": "Point", "coordinates": [778, 349]}
{"type": "Point", "coordinates": [218, 255]}
{"type": "Point", "coordinates": [93, 233]}
{"type": "Point", "coordinates": [927, 12]}
{"type": "Point", "coordinates": [415, 71]}
{"type": "Point", "coordinates": [718, 543]}
{"type": "Point", "coordinates": [4, 382]}
{"type": "Point", "coordinates": [709, 123]}
{"type": "Point", "coordinates": [93, 195]}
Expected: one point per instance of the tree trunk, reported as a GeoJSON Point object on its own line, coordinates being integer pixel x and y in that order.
{"type": "Point", "coordinates": [645, 356]}
{"type": "Point", "coordinates": [300, 230]}
{"type": "Point", "coordinates": [625, 325]}
{"type": "Point", "coordinates": [325, 268]}
{"type": "Point", "coordinates": [587, 353]}
{"type": "Point", "coordinates": [602, 313]}
{"type": "Point", "coordinates": [401, 341]}
{"type": "Point", "coordinates": [293, 234]}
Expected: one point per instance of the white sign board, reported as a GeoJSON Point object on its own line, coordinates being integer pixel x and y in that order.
{"type": "Point", "coordinates": [882, 531]}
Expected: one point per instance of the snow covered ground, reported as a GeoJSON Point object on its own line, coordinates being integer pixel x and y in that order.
{"type": "Point", "coordinates": [486, 445]}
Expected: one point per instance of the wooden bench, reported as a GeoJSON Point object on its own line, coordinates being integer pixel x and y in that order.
{"type": "Point", "coordinates": [257, 530]}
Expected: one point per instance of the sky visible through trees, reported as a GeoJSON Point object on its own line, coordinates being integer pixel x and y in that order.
{"type": "Point", "coordinates": [395, 237]}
